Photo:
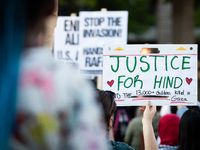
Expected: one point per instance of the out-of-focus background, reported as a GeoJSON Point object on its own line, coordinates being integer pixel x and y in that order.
{"type": "Point", "coordinates": [150, 21]}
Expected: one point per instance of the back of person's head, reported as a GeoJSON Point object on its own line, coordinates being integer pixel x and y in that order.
{"type": "Point", "coordinates": [106, 98]}
{"type": "Point", "coordinates": [168, 130]}
{"type": "Point", "coordinates": [189, 130]}
{"type": "Point", "coordinates": [17, 16]}
{"type": "Point", "coordinates": [37, 13]}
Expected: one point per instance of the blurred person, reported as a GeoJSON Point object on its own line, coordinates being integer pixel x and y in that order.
{"type": "Point", "coordinates": [138, 112]}
{"type": "Point", "coordinates": [106, 98]}
{"type": "Point", "coordinates": [189, 132]}
{"type": "Point", "coordinates": [168, 130]}
{"type": "Point", "coordinates": [121, 120]}
{"type": "Point", "coordinates": [134, 132]}
{"type": "Point", "coordinates": [181, 109]}
{"type": "Point", "coordinates": [165, 110]}
{"type": "Point", "coordinates": [43, 106]}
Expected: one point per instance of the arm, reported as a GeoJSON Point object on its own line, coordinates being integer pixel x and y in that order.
{"type": "Point", "coordinates": [149, 137]}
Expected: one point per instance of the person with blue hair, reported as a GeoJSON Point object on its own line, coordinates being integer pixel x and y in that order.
{"type": "Point", "coordinates": [42, 105]}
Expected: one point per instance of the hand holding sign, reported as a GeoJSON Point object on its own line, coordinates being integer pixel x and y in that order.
{"type": "Point", "coordinates": [163, 78]}
{"type": "Point", "coordinates": [149, 112]}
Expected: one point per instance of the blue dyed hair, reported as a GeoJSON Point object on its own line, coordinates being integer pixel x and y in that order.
{"type": "Point", "coordinates": [16, 17]}
{"type": "Point", "coordinates": [12, 29]}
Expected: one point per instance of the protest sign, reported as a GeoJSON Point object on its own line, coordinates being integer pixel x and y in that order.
{"type": "Point", "coordinates": [66, 40]}
{"type": "Point", "coordinates": [96, 29]}
{"type": "Point", "coordinates": [163, 74]}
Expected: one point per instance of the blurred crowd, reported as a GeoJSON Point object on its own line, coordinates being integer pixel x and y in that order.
{"type": "Point", "coordinates": [166, 125]}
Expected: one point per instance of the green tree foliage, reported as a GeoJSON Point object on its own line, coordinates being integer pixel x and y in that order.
{"type": "Point", "coordinates": [141, 12]}
{"type": "Point", "coordinates": [197, 13]}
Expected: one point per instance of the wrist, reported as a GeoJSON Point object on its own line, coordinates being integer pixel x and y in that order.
{"type": "Point", "coordinates": [147, 121]}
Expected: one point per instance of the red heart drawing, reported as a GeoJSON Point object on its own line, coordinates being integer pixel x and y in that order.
{"type": "Point", "coordinates": [110, 82]}
{"type": "Point", "coordinates": [189, 80]}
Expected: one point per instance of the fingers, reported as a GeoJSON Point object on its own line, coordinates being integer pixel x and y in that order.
{"type": "Point", "coordinates": [142, 108]}
{"type": "Point", "coordinates": [148, 104]}
{"type": "Point", "coordinates": [148, 107]}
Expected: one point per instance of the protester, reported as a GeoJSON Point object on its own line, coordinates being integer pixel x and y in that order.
{"type": "Point", "coordinates": [189, 133]}
{"type": "Point", "coordinates": [121, 121]}
{"type": "Point", "coordinates": [134, 132]}
{"type": "Point", "coordinates": [106, 98]}
{"type": "Point", "coordinates": [168, 130]}
{"type": "Point", "coordinates": [182, 109]}
{"type": "Point", "coordinates": [52, 104]}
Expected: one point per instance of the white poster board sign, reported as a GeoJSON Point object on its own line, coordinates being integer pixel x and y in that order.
{"type": "Point", "coordinates": [66, 40]}
{"type": "Point", "coordinates": [96, 29]}
{"type": "Point", "coordinates": [166, 76]}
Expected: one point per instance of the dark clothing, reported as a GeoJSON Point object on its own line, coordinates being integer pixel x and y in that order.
{"type": "Point", "coordinates": [120, 146]}
{"type": "Point", "coordinates": [135, 130]}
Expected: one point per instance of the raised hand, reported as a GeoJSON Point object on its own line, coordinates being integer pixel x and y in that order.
{"type": "Point", "coordinates": [148, 133]}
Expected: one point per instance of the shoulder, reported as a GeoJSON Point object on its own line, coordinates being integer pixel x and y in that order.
{"type": "Point", "coordinates": [156, 118]}
{"type": "Point", "coordinates": [50, 83]}
{"type": "Point", "coordinates": [135, 124]}
{"type": "Point", "coordinates": [136, 120]}
{"type": "Point", "coordinates": [120, 146]}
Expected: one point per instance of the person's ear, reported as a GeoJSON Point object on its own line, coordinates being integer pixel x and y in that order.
{"type": "Point", "coordinates": [111, 121]}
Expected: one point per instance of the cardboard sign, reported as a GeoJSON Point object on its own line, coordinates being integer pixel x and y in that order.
{"type": "Point", "coordinates": [66, 40]}
{"type": "Point", "coordinates": [163, 74]}
{"type": "Point", "coordinates": [96, 29]}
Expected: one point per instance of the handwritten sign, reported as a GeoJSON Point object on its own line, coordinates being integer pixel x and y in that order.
{"type": "Point", "coordinates": [96, 29]}
{"type": "Point", "coordinates": [66, 40]}
{"type": "Point", "coordinates": [163, 74]}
